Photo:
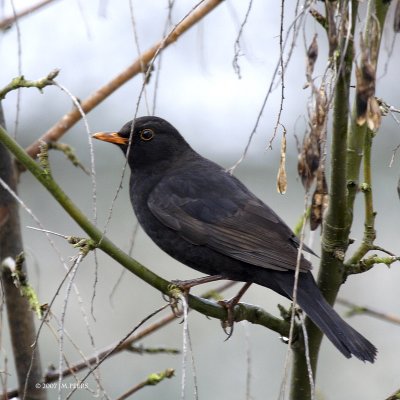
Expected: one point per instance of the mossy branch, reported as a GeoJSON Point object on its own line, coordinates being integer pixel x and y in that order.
{"type": "Point", "coordinates": [21, 282]}
{"type": "Point", "coordinates": [250, 313]}
{"type": "Point", "coordinates": [367, 243]}
{"type": "Point", "coordinates": [367, 263]}
{"type": "Point", "coordinates": [21, 82]}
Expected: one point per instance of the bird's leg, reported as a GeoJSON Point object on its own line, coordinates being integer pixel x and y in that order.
{"type": "Point", "coordinates": [230, 305]}
{"type": "Point", "coordinates": [186, 285]}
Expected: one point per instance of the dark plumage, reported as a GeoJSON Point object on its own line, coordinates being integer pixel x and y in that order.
{"type": "Point", "coordinates": [207, 219]}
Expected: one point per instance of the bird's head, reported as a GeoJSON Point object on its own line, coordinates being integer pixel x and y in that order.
{"type": "Point", "coordinates": [147, 141]}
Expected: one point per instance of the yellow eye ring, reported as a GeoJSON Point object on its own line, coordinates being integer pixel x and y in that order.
{"type": "Point", "coordinates": [146, 134]}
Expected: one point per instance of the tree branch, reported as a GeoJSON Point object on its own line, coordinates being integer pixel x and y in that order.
{"type": "Point", "coordinates": [367, 243]}
{"type": "Point", "coordinates": [360, 136]}
{"type": "Point", "coordinates": [151, 380]}
{"type": "Point", "coordinates": [367, 263]}
{"type": "Point", "coordinates": [20, 317]}
{"type": "Point", "coordinates": [335, 225]}
{"type": "Point", "coordinates": [7, 22]}
{"type": "Point", "coordinates": [21, 82]}
{"type": "Point", "coordinates": [357, 310]}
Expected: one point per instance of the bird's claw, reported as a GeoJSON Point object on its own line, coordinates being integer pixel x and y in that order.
{"type": "Point", "coordinates": [228, 324]}
{"type": "Point", "coordinates": [174, 304]}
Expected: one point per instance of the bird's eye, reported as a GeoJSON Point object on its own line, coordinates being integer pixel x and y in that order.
{"type": "Point", "coordinates": [146, 134]}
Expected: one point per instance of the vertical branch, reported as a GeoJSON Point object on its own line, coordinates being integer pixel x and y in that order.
{"type": "Point", "coordinates": [356, 137]}
{"type": "Point", "coordinates": [366, 117]}
{"type": "Point", "coordinates": [335, 228]}
{"type": "Point", "coordinates": [351, 141]}
{"type": "Point", "coordinates": [20, 316]}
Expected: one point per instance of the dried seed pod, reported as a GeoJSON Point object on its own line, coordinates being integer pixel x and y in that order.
{"type": "Point", "coordinates": [281, 181]}
{"type": "Point", "coordinates": [365, 90]}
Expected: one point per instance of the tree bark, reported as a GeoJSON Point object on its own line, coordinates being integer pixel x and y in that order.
{"type": "Point", "coordinates": [20, 316]}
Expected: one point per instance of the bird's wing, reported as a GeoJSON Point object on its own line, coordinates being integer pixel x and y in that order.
{"type": "Point", "coordinates": [219, 212]}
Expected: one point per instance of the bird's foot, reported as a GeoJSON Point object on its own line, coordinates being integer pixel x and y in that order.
{"type": "Point", "coordinates": [183, 287]}
{"type": "Point", "coordinates": [230, 305]}
{"type": "Point", "coordinates": [228, 323]}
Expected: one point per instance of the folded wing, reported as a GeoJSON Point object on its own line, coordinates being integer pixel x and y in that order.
{"type": "Point", "coordinates": [225, 216]}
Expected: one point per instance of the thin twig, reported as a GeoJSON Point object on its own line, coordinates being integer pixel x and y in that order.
{"type": "Point", "coordinates": [307, 355]}
{"type": "Point", "coordinates": [71, 275]}
{"type": "Point", "coordinates": [144, 67]}
{"type": "Point", "coordinates": [293, 311]}
{"type": "Point", "coordinates": [282, 73]}
{"type": "Point", "coordinates": [293, 25]}
{"type": "Point", "coordinates": [126, 345]}
{"type": "Point", "coordinates": [143, 321]}
{"type": "Point", "coordinates": [113, 290]}
{"type": "Point", "coordinates": [249, 360]}
{"type": "Point", "coordinates": [7, 22]}
{"type": "Point", "coordinates": [184, 344]}
{"type": "Point", "coordinates": [168, 23]}
{"type": "Point", "coordinates": [235, 63]}
{"type": "Point", "coordinates": [94, 184]}
{"type": "Point", "coordinates": [152, 379]}
{"type": "Point", "coordinates": [356, 309]}
{"type": "Point", "coordinates": [19, 54]}
{"type": "Point", "coordinates": [71, 118]}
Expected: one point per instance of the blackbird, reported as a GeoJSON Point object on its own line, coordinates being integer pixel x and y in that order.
{"type": "Point", "coordinates": [207, 219]}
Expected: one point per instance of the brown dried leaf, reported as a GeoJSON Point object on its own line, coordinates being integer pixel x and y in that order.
{"type": "Point", "coordinates": [308, 160]}
{"type": "Point", "coordinates": [312, 55]}
{"type": "Point", "coordinates": [319, 201]}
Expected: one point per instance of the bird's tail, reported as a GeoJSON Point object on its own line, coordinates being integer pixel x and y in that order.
{"type": "Point", "coordinates": [348, 341]}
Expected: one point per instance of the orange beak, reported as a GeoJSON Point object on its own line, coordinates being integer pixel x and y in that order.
{"type": "Point", "coordinates": [112, 137]}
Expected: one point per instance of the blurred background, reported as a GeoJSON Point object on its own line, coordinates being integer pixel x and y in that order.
{"type": "Point", "coordinates": [200, 93]}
